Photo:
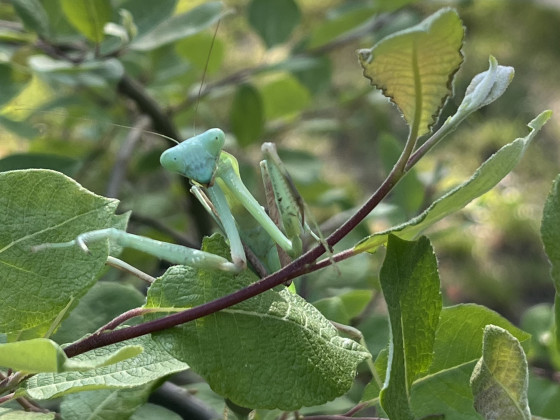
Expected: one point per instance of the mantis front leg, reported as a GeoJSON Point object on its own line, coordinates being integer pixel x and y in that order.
{"type": "Point", "coordinates": [176, 254]}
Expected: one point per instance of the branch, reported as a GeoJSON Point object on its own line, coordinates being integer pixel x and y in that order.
{"type": "Point", "coordinates": [123, 156]}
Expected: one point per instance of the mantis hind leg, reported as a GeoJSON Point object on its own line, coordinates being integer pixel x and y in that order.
{"type": "Point", "coordinates": [176, 254]}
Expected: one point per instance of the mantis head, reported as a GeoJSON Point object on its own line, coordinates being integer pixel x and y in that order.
{"type": "Point", "coordinates": [196, 158]}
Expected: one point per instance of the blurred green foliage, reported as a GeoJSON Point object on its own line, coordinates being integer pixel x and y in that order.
{"type": "Point", "coordinates": [295, 81]}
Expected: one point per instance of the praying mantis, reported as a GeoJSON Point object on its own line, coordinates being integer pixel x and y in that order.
{"type": "Point", "coordinates": [214, 174]}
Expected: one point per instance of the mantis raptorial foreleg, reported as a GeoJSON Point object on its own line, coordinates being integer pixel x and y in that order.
{"type": "Point", "coordinates": [214, 171]}
{"type": "Point", "coordinates": [176, 254]}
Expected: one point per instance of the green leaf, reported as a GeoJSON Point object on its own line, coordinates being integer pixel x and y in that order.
{"type": "Point", "coordinates": [344, 307]}
{"type": "Point", "coordinates": [103, 302]}
{"type": "Point", "coordinates": [152, 364]}
{"type": "Point", "coordinates": [447, 392]}
{"type": "Point", "coordinates": [340, 22]}
{"type": "Point", "coordinates": [44, 355]}
{"type": "Point", "coordinates": [550, 233]}
{"type": "Point", "coordinates": [544, 396]}
{"type": "Point", "coordinates": [105, 404]}
{"type": "Point", "coordinates": [500, 378]}
{"type": "Point", "coordinates": [37, 355]}
{"type": "Point", "coordinates": [452, 349]}
{"type": "Point", "coordinates": [12, 81]}
{"type": "Point", "coordinates": [274, 20]}
{"type": "Point", "coordinates": [410, 284]}
{"type": "Point", "coordinates": [197, 48]}
{"type": "Point", "coordinates": [284, 97]}
{"type": "Point", "coordinates": [95, 74]}
{"type": "Point", "coordinates": [40, 206]}
{"type": "Point", "coordinates": [180, 26]}
{"type": "Point", "coordinates": [88, 16]}
{"type": "Point", "coordinates": [33, 16]}
{"type": "Point", "coordinates": [297, 353]}
{"type": "Point", "coordinates": [13, 414]}
{"type": "Point", "coordinates": [247, 115]}
{"type": "Point", "coordinates": [415, 67]}
{"type": "Point", "coordinates": [485, 178]}
{"type": "Point", "coordinates": [146, 16]}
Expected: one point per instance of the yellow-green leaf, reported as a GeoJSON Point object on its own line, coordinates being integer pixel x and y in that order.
{"type": "Point", "coordinates": [415, 67]}
{"type": "Point", "coordinates": [88, 16]}
{"type": "Point", "coordinates": [44, 355]}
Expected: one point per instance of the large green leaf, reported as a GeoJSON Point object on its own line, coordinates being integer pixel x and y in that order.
{"type": "Point", "coordinates": [272, 351]}
{"type": "Point", "coordinates": [39, 206]}
{"type": "Point", "coordinates": [447, 392]}
{"type": "Point", "coordinates": [105, 404]}
{"type": "Point", "coordinates": [33, 16]}
{"type": "Point", "coordinates": [550, 233]}
{"type": "Point", "coordinates": [415, 67]}
{"type": "Point", "coordinates": [452, 349]}
{"type": "Point", "coordinates": [88, 16]}
{"type": "Point", "coordinates": [274, 20]}
{"type": "Point", "coordinates": [180, 26]}
{"type": "Point", "coordinates": [500, 378]}
{"type": "Point", "coordinates": [44, 355]}
{"type": "Point", "coordinates": [152, 364]}
{"type": "Point", "coordinates": [485, 178]}
{"type": "Point", "coordinates": [410, 284]}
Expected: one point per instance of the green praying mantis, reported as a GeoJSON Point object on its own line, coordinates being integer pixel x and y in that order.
{"type": "Point", "coordinates": [214, 174]}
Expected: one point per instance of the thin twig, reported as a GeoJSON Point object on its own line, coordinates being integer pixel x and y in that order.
{"type": "Point", "coordinates": [124, 155]}
{"type": "Point", "coordinates": [126, 267]}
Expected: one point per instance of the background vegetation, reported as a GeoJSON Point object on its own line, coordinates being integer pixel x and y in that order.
{"type": "Point", "coordinates": [299, 84]}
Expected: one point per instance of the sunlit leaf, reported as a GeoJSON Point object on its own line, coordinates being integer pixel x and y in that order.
{"type": "Point", "coordinates": [500, 378]}
{"type": "Point", "coordinates": [485, 178]}
{"type": "Point", "coordinates": [415, 67]}
{"type": "Point", "coordinates": [44, 355]}
{"type": "Point", "coordinates": [88, 16]}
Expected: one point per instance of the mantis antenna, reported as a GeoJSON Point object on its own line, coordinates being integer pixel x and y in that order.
{"type": "Point", "coordinates": [204, 74]}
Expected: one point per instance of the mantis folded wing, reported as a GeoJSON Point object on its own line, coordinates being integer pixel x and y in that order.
{"type": "Point", "coordinates": [213, 171]}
